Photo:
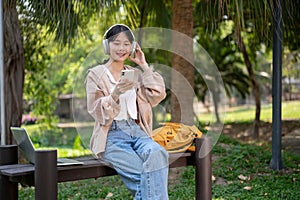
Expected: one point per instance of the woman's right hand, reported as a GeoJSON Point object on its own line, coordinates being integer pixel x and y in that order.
{"type": "Point", "coordinates": [122, 86]}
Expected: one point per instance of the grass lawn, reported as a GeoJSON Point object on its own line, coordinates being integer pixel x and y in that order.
{"type": "Point", "coordinates": [290, 110]}
{"type": "Point", "coordinates": [240, 170]}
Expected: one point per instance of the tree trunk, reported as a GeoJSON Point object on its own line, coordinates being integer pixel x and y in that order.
{"type": "Point", "coordinates": [13, 68]}
{"type": "Point", "coordinates": [216, 99]}
{"type": "Point", "coordinates": [254, 84]}
{"type": "Point", "coordinates": [290, 91]}
{"type": "Point", "coordinates": [182, 83]}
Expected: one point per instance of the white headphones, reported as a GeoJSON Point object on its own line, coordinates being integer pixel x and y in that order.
{"type": "Point", "coordinates": [105, 41]}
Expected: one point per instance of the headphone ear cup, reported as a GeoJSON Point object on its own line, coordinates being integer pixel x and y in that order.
{"type": "Point", "coordinates": [105, 46]}
{"type": "Point", "coordinates": [133, 47]}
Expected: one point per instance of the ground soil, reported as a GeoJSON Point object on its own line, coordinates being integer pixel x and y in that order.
{"type": "Point", "coordinates": [290, 133]}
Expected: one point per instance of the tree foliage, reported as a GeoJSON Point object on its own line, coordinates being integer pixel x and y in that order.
{"type": "Point", "coordinates": [39, 94]}
{"type": "Point", "coordinates": [221, 47]}
{"type": "Point", "coordinates": [68, 19]}
{"type": "Point", "coordinates": [50, 67]}
{"type": "Point", "coordinates": [255, 16]}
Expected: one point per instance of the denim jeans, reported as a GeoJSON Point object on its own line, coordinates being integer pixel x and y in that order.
{"type": "Point", "coordinates": [141, 162]}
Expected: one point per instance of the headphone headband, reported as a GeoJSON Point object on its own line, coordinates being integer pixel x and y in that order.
{"type": "Point", "coordinates": [118, 25]}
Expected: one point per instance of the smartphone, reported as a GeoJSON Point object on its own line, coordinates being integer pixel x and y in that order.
{"type": "Point", "coordinates": [128, 74]}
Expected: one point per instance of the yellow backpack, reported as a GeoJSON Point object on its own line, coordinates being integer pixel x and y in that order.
{"type": "Point", "coordinates": [176, 137]}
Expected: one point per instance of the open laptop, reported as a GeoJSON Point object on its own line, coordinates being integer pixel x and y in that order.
{"type": "Point", "coordinates": [25, 144]}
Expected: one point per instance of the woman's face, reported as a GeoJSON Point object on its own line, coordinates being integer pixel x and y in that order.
{"type": "Point", "coordinates": [120, 48]}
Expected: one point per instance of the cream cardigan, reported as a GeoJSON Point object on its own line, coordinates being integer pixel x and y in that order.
{"type": "Point", "coordinates": [150, 89]}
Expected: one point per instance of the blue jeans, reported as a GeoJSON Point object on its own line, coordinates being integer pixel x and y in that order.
{"type": "Point", "coordinates": [141, 162]}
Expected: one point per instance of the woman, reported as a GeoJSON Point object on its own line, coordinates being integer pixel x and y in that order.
{"type": "Point", "coordinates": [123, 116]}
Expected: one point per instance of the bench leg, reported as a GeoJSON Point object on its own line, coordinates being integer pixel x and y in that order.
{"type": "Point", "coordinates": [8, 156]}
{"type": "Point", "coordinates": [45, 175]}
{"type": "Point", "coordinates": [203, 169]}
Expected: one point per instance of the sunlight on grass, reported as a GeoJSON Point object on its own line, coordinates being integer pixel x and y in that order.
{"type": "Point", "coordinates": [290, 110]}
{"type": "Point", "coordinates": [68, 152]}
{"type": "Point", "coordinates": [64, 138]}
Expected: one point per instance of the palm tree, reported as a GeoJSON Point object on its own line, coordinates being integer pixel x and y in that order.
{"type": "Point", "coordinates": [182, 21]}
{"type": "Point", "coordinates": [66, 19]}
{"type": "Point", "coordinates": [250, 16]}
{"type": "Point", "coordinates": [62, 18]}
{"type": "Point", "coordinates": [222, 51]}
{"type": "Point", "coordinates": [13, 67]}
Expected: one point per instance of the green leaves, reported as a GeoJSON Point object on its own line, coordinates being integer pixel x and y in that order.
{"type": "Point", "coordinates": [254, 16]}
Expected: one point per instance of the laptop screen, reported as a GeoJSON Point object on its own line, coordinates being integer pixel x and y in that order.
{"type": "Point", "coordinates": [24, 143]}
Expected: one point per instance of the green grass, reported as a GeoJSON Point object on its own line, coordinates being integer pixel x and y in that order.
{"type": "Point", "coordinates": [242, 172]}
{"type": "Point", "coordinates": [68, 141]}
{"type": "Point", "coordinates": [290, 110]}
{"type": "Point", "coordinates": [231, 159]}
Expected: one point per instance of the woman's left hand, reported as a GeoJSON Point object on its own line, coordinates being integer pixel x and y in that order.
{"type": "Point", "coordinates": [139, 57]}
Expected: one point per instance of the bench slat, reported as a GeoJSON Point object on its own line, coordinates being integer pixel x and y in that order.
{"type": "Point", "coordinates": [92, 168]}
{"type": "Point", "coordinates": [14, 170]}
{"type": "Point", "coordinates": [3, 167]}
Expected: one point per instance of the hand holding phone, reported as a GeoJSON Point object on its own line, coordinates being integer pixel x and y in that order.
{"type": "Point", "coordinates": [127, 74]}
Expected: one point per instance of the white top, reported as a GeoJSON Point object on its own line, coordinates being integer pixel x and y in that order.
{"type": "Point", "coordinates": [127, 100]}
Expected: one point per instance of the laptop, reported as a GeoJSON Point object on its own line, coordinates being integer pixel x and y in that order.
{"type": "Point", "coordinates": [25, 144]}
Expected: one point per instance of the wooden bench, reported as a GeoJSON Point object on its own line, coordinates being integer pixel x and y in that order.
{"type": "Point", "coordinates": [45, 174]}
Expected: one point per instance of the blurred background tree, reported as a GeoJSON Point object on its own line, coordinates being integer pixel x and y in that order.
{"type": "Point", "coordinates": [47, 41]}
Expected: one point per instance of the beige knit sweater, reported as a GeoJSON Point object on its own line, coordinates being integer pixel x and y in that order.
{"type": "Point", "coordinates": [150, 89]}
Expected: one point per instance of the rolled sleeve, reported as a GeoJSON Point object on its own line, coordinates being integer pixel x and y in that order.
{"type": "Point", "coordinates": [102, 108]}
{"type": "Point", "coordinates": [154, 87]}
